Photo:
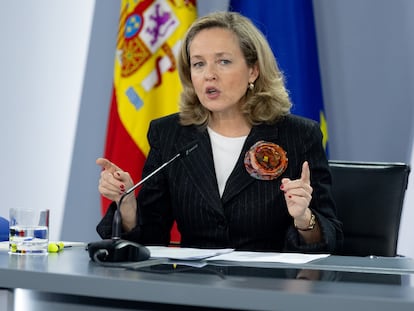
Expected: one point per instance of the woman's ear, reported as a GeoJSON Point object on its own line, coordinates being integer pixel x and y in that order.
{"type": "Point", "coordinates": [254, 72]}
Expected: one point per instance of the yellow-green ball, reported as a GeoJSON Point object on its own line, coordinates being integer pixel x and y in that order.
{"type": "Point", "coordinates": [60, 245]}
{"type": "Point", "coordinates": [53, 248]}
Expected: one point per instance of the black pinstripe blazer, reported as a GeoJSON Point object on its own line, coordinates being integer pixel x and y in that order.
{"type": "Point", "coordinates": [251, 214]}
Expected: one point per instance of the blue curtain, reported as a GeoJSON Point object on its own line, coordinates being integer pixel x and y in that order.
{"type": "Point", "coordinates": [289, 27]}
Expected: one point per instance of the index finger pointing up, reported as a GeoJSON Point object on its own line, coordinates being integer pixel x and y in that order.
{"type": "Point", "coordinates": [305, 175]}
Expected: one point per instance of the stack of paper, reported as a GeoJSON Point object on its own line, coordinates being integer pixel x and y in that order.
{"type": "Point", "coordinates": [228, 254]}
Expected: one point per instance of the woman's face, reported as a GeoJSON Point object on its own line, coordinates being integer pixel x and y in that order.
{"type": "Point", "coordinates": [219, 72]}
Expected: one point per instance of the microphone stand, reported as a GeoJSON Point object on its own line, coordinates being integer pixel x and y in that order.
{"type": "Point", "coordinates": [117, 222]}
{"type": "Point", "coordinates": [117, 249]}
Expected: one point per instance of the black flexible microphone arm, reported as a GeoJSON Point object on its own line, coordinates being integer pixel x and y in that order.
{"type": "Point", "coordinates": [117, 221]}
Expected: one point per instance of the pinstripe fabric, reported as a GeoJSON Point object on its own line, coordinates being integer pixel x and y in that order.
{"type": "Point", "coordinates": [252, 214]}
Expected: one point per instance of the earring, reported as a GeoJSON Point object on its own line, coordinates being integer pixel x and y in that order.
{"type": "Point", "coordinates": [251, 86]}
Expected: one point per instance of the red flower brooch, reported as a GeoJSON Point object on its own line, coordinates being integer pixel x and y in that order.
{"type": "Point", "coordinates": [265, 161]}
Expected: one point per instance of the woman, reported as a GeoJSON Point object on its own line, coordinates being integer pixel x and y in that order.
{"type": "Point", "coordinates": [259, 179]}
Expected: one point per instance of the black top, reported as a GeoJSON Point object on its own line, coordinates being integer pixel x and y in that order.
{"type": "Point", "coordinates": [251, 214]}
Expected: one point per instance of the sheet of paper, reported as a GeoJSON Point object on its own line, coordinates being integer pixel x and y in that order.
{"type": "Point", "coordinates": [185, 253]}
{"type": "Point", "coordinates": [292, 258]}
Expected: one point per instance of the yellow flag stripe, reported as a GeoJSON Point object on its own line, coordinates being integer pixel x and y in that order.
{"type": "Point", "coordinates": [146, 79]}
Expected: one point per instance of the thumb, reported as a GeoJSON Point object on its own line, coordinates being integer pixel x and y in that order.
{"type": "Point", "coordinates": [305, 175]}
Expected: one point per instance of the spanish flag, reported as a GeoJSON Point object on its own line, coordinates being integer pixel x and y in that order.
{"type": "Point", "coordinates": [146, 82]}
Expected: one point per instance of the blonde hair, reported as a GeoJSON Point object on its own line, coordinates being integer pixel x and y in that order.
{"type": "Point", "coordinates": [266, 102]}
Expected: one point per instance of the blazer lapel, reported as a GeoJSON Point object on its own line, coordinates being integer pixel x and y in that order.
{"type": "Point", "coordinates": [239, 179]}
{"type": "Point", "coordinates": [200, 167]}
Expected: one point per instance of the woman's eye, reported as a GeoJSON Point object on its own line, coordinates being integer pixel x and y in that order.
{"type": "Point", "coordinates": [197, 64]}
{"type": "Point", "coordinates": [225, 61]}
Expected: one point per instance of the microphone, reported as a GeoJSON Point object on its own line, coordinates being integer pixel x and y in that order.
{"type": "Point", "coordinates": [117, 249]}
